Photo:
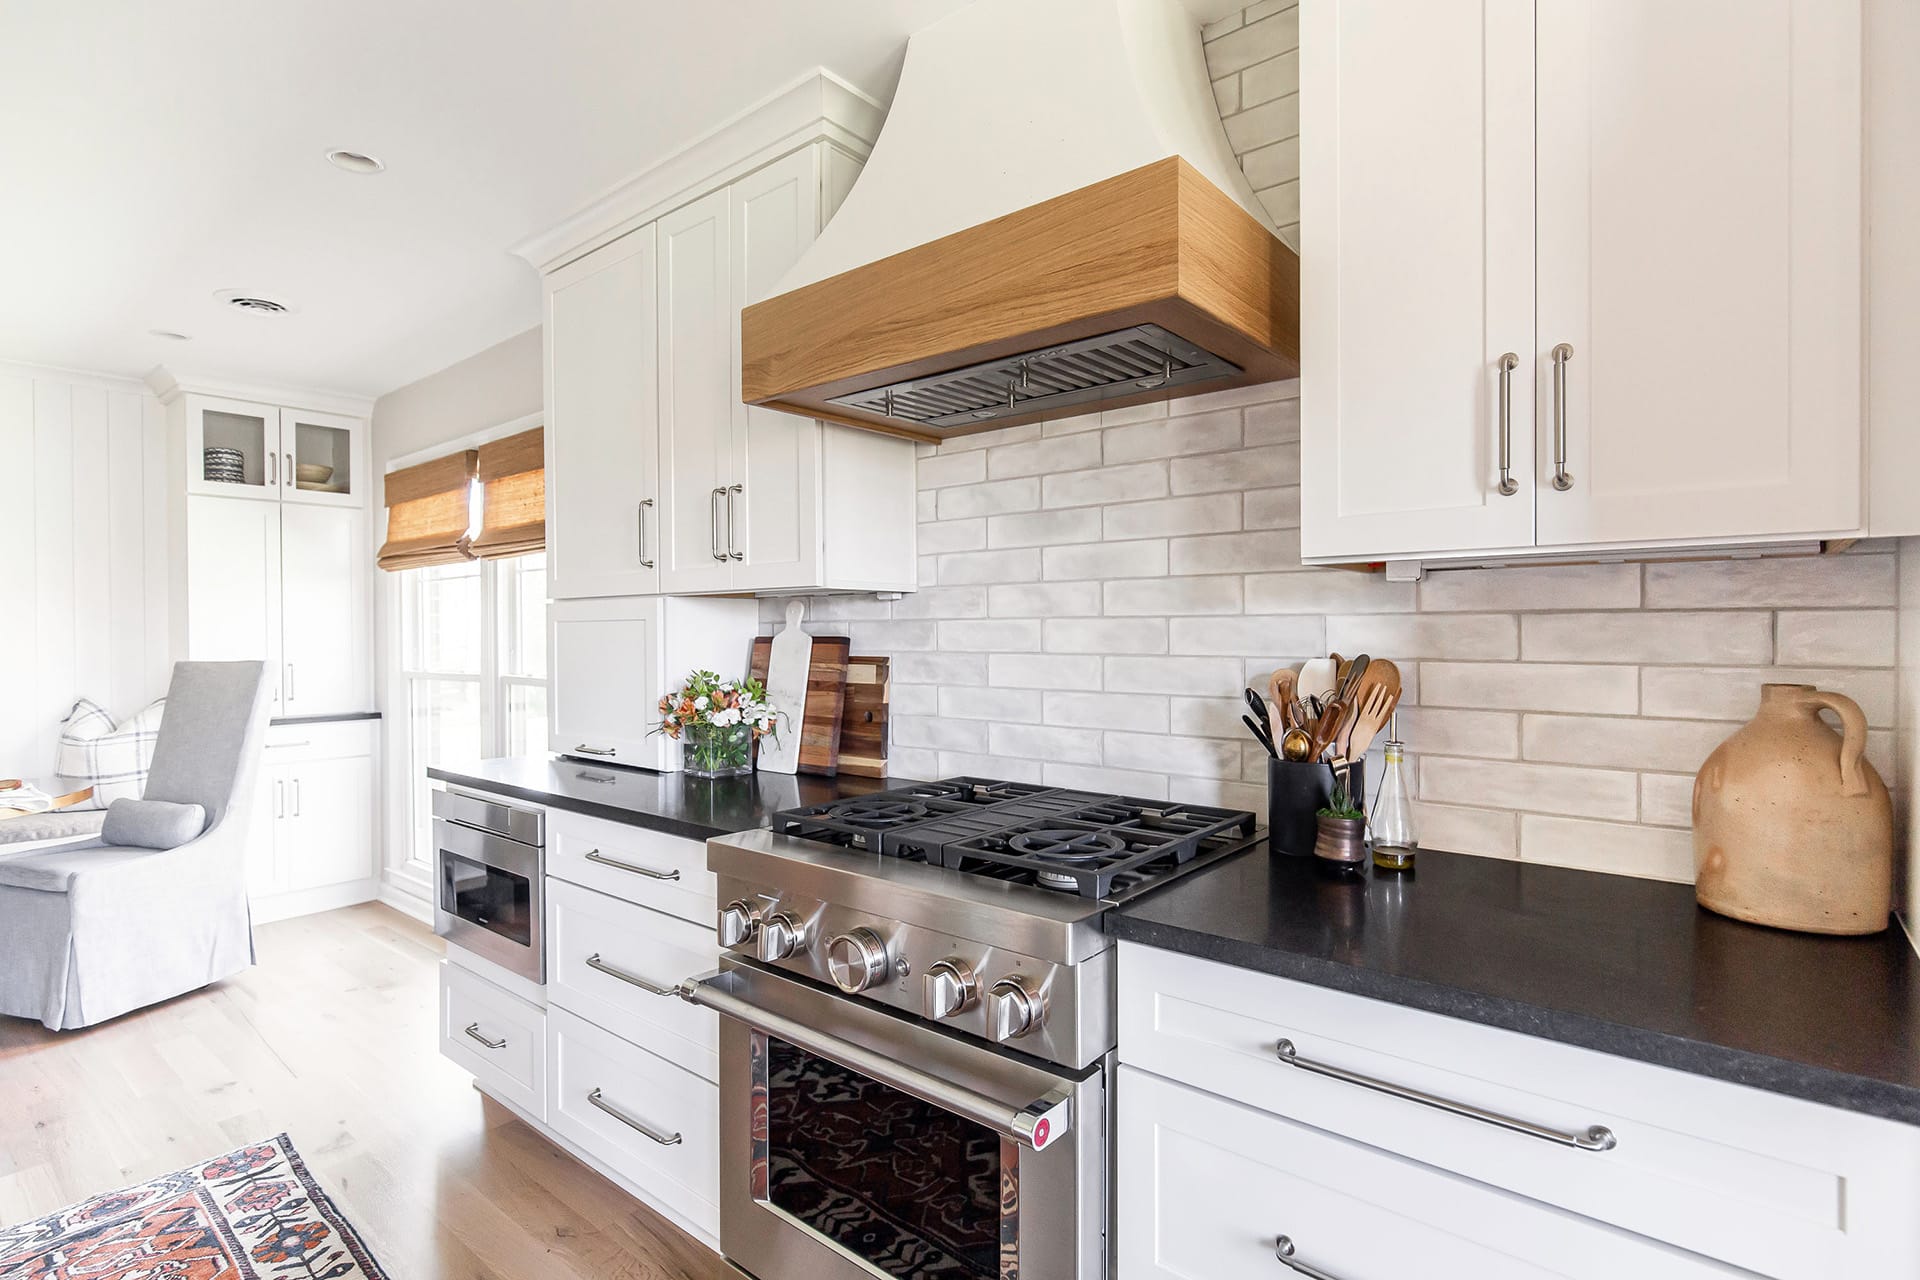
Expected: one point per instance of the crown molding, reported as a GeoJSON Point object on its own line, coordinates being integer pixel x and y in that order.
{"type": "Point", "coordinates": [111, 381]}
{"type": "Point", "coordinates": [817, 106]}
{"type": "Point", "coordinates": [170, 386]}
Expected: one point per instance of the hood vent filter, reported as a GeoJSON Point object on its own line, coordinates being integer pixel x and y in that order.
{"type": "Point", "coordinates": [1128, 362]}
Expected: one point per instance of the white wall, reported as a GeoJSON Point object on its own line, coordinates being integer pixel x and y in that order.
{"type": "Point", "coordinates": [83, 543]}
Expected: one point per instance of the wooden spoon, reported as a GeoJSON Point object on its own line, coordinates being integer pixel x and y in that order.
{"type": "Point", "coordinates": [1280, 692]}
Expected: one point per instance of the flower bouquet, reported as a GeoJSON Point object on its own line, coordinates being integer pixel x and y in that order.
{"type": "Point", "coordinates": [718, 721]}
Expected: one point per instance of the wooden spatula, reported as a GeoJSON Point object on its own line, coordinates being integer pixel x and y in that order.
{"type": "Point", "coordinates": [1280, 692]}
{"type": "Point", "coordinates": [1376, 698]}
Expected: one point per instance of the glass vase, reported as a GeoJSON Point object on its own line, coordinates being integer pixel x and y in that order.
{"type": "Point", "coordinates": [718, 751]}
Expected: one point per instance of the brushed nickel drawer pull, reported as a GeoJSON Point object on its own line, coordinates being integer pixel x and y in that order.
{"type": "Point", "coordinates": [1596, 1138]}
{"type": "Point", "coordinates": [631, 979]}
{"type": "Point", "coordinates": [1508, 363]}
{"type": "Point", "coordinates": [594, 855]}
{"type": "Point", "coordinates": [1283, 1250]}
{"type": "Point", "coordinates": [1562, 480]}
{"type": "Point", "coordinates": [584, 749]}
{"type": "Point", "coordinates": [640, 519]}
{"type": "Point", "coordinates": [473, 1033]}
{"type": "Point", "coordinates": [644, 1130]}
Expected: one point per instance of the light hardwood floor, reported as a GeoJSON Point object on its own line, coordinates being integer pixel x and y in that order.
{"type": "Point", "coordinates": [330, 1038]}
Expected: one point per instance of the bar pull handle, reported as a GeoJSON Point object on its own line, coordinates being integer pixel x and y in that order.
{"type": "Point", "coordinates": [1283, 1249]}
{"type": "Point", "coordinates": [631, 979]}
{"type": "Point", "coordinates": [273, 469]}
{"type": "Point", "coordinates": [1508, 485]}
{"type": "Point", "coordinates": [586, 750]}
{"type": "Point", "coordinates": [1596, 1138]}
{"type": "Point", "coordinates": [293, 785]}
{"type": "Point", "coordinates": [1562, 479]}
{"type": "Point", "coordinates": [713, 518]}
{"type": "Point", "coordinates": [641, 521]}
{"type": "Point", "coordinates": [644, 1130]}
{"type": "Point", "coordinates": [594, 855]}
{"type": "Point", "coordinates": [290, 471]}
{"type": "Point", "coordinates": [473, 1033]}
{"type": "Point", "coordinates": [279, 799]}
{"type": "Point", "coordinates": [289, 682]}
{"type": "Point", "coordinates": [732, 491]}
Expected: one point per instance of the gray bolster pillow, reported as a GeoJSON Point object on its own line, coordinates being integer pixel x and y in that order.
{"type": "Point", "coordinates": [152, 824]}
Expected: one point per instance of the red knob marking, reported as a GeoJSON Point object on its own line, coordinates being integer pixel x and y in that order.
{"type": "Point", "coordinates": [1040, 1134]}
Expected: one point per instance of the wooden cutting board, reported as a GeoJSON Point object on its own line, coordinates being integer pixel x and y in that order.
{"type": "Point", "coordinates": [826, 699]}
{"type": "Point", "coordinates": [863, 723]}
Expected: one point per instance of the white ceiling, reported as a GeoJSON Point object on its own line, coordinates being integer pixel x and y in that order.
{"type": "Point", "coordinates": [155, 153]}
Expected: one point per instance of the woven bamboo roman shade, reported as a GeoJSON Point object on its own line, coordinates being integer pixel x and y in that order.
{"type": "Point", "coordinates": [427, 512]}
{"type": "Point", "coordinates": [513, 506]}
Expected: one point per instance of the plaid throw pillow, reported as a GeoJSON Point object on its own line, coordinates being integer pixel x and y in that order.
{"type": "Point", "coordinates": [114, 759]}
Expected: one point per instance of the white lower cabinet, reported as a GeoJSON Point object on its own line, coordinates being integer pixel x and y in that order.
{"type": "Point", "coordinates": [500, 1038]}
{"type": "Point", "coordinates": [313, 835]}
{"type": "Point", "coordinates": [1755, 1180]}
{"type": "Point", "coordinates": [656, 1126]}
{"type": "Point", "coordinates": [1208, 1188]}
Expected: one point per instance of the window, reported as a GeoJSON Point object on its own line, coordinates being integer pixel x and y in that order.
{"type": "Point", "coordinates": [473, 649]}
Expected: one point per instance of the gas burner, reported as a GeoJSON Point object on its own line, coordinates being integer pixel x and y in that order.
{"type": "Point", "coordinates": [878, 812]}
{"type": "Point", "coordinates": [1066, 846]}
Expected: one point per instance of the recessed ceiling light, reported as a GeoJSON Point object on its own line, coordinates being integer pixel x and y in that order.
{"type": "Point", "coordinates": [252, 302]}
{"type": "Point", "coordinates": [355, 161]}
{"type": "Point", "coordinates": [170, 335]}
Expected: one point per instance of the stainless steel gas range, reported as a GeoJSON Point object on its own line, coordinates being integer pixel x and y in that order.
{"type": "Point", "coordinates": [916, 1054]}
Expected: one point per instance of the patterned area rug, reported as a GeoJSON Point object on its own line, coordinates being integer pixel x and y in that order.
{"type": "Point", "coordinates": [252, 1214]}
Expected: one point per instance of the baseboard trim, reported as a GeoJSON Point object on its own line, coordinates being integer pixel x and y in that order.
{"type": "Point", "coordinates": [306, 902]}
{"type": "Point", "coordinates": [406, 903]}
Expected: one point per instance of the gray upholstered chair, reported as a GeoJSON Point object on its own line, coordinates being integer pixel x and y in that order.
{"type": "Point", "coordinates": [91, 931]}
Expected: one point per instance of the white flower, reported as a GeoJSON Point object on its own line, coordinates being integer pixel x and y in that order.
{"type": "Point", "coordinates": [730, 716]}
{"type": "Point", "coordinates": [700, 703]}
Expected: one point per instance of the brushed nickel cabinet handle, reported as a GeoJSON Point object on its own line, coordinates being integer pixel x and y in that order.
{"type": "Point", "coordinates": [289, 682]}
{"type": "Point", "coordinates": [732, 545]}
{"type": "Point", "coordinates": [293, 788]}
{"type": "Point", "coordinates": [594, 855]}
{"type": "Point", "coordinates": [1596, 1138]}
{"type": "Point", "coordinates": [1508, 363]}
{"type": "Point", "coordinates": [584, 749]}
{"type": "Point", "coordinates": [1562, 479]}
{"type": "Point", "coordinates": [1283, 1249]}
{"type": "Point", "coordinates": [713, 518]}
{"type": "Point", "coordinates": [273, 469]}
{"type": "Point", "coordinates": [290, 471]}
{"type": "Point", "coordinates": [631, 979]}
{"type": "Point", "coordinates": [644, 1130]}
{"type": "Point", "coordinates": [279, 798]}
{"type": "Point", "coordinates": [641, 521]}
{"type": "Point", "coordinates": [473, 1033]}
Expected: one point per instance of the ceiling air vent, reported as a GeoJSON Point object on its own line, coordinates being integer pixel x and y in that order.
{"type": "Point", "coordinates": [1131, 361]}
{"type": "Point", "coordinates": [252, 302]}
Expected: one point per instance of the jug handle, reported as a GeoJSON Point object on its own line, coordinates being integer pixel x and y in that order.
{"type": "Point", "coordinates": [1853, 725]}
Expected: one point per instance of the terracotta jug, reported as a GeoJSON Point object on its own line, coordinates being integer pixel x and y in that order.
{"type": "Point", "coordinates": [1791, 826]}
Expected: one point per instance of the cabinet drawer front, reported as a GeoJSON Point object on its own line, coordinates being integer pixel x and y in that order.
{"type": "Point", "coordinates": [1207, 1187]}
{"type": "Point", "coordinates": [601, 950]}
{"type": "Point", "coordinates": [647, 867]}
{"type": "Point", "coordinates": [1774, 1184]}
{"type": "Point", "coordinates": [326, 740]}
{"type": "Point", "coordinates": [499, 1038]}
{"type": "Point", "coordinates": [604, 1092]}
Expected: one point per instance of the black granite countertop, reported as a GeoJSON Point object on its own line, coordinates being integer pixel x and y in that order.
{"type": "Point", "coordinates": [1622, 965]}
{"type": "Point", "coordinates": [695, 808]}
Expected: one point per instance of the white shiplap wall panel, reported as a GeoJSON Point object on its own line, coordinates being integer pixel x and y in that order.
{"type": "Point", "coordinates": [84, 519]}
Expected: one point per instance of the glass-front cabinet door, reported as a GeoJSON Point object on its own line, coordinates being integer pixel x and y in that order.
{"type": "Point", "coordinates": [233, 448]}
{"type": "Point", "coordinates": [323, 458]}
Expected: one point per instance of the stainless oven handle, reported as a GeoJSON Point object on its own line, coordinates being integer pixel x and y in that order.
{"type": "Point", "coordinates": [594, 855]}
{"type": "Point", "coordinates": [644, 1130]}
{"type": "Point", "coordinates": [1034, 1126]}
{"type": "Point", "coordinates": [631, 979]}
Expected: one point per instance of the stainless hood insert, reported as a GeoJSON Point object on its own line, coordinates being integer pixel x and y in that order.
{"type": "Point", "coordinates": [1144, 357]}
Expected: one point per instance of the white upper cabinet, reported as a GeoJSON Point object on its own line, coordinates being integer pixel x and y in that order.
{"type": "Point", "coordinates": [232, 605]}
{"type": "Point", "coordinates": [604, 533]}
{"type": "Point", "coordinates": [236, 449]}
{"type": "Point", "coordinates": [323, 610]}
{"type": "Point", "coordinates": [1700, 260]}
{"type": "Point", "coordinates": [323, 459]}
{"type": "Point", "coordinates": [1654, 208]}
{"type": "Point", "coordinates": [696, 399]}
{"type": "Point", "coordinates": [1417, 280]}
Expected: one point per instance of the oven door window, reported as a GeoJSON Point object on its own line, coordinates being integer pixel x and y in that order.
{"type": "Point", "coordinates": [490, 898]}
{"type": "Point", "coordinates": [913, 1191]}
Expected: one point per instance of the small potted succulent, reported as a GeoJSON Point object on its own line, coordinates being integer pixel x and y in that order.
{"type": "Point", "coordinates": [1342, 836]}
{"type": "Point", "coordinates": [718, 721]}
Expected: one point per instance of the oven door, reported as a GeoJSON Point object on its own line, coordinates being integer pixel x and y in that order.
{"type": "Point", "coordinates": [857, 1143]}
{"type": "Point", "coordinates": [487, 897]}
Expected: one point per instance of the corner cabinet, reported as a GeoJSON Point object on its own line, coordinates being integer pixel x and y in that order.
{"type": "Point", "coordinates": [659, 477]}
{"type": "Point", "coordinates": [1583, 276]}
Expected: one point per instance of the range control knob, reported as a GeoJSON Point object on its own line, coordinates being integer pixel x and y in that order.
{"type": "Point", "coordinates": [1013, 1009]}
{"type": "Point", "coordinates": [779, 937]}
{"type": "Point", "coordinates": [857, 960]}
{"type": "Point", "coordinates": [950, 988]}
{"type": "Point", "coordinates": [739, 921]}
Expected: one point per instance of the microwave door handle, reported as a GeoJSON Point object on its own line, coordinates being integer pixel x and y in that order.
{"type": "Point", "coordinates": [1034, 1126]}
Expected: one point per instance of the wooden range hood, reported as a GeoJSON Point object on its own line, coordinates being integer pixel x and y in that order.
{"type": "Point", "coordinates": [1006, 310]}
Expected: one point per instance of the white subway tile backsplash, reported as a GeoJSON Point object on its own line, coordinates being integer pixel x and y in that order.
{"type": "Point", "coordinates": [1553, 713]}
{"type": "Point", "coordinates": [1686, 638]}
{"type": "Point", "coordinates": [1837, 638]}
